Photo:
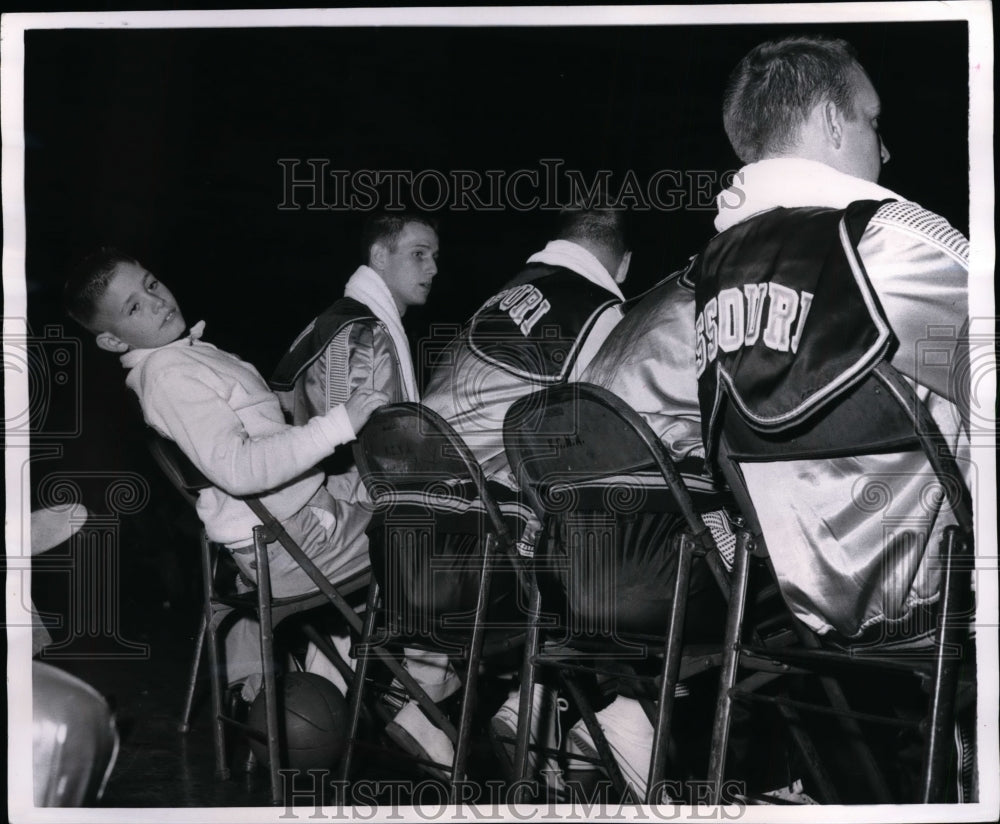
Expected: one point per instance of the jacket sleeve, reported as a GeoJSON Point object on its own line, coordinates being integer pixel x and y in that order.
{"type": "Point", "coordinates": [211, 434]}
{"type": "Point", "coordinates": [605, 323]}
{"type": "Point", "coordinates": [372, 361]}
{"type": "Point", "coordinates": [919, 267]}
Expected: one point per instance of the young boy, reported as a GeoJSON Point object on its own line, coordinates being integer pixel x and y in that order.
{"type": "Point", "coordinates": [220, 412]}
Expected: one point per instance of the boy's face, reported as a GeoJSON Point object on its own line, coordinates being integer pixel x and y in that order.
{"type": "Point", "coordinates": [409, 268]}
{"type": "Point", "coordinates": [136, 311]}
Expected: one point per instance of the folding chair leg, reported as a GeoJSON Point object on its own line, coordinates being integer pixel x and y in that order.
{"type": "Point", "coordinates": [852, 730]}
{"type": "Point", "coordinates": [727, 680]}
{"type": "Point", "coordinates": [472, 676]}
{"type": "Point", "coordinates": [412, 687]}
{"type": "Point", "coordinates": [214, 671]}
{"type": "Point", "coordinates": [671, 669]}
{"type": "Point", "coordinates": [827, 793]}
{"type": "Point", "coordinates": [199, 645]}
{"type": "Point", "coordinates": [271, 697]}
{"type": "Point", "coordinates": [862, 752]}
{"type": "Point", "coordinates": [944, 685]}
{"type": "Point", "coordinates": [360, 680]}
{"type": "Point", "coordinates": [529, 676]}
{"type": "Point", "coordinates": [730, 665]}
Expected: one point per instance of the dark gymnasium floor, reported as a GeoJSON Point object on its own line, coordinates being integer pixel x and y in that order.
{"type": "Point", "coordinates": [159, 766]}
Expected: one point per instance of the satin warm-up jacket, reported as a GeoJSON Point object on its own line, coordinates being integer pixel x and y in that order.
{"type": "Point", "coordinates": [343, 349]}
{"type": "Point", "coordinates": [853, 540]}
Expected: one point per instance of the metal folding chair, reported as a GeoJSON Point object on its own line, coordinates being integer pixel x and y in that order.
{"type": "Point", "coordinates": [592, 467]}
{"type": "Point", "coordinates": [882, 414]}
{"type": "Point", "coordinates": [269, 611]}
{"type": "Point", "coordinates": [430, 591]}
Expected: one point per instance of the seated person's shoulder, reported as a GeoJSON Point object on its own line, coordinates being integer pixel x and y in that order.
{"type": "Point", "coordinates": [182, 371]}
{"type": "Point", "coordinates": [169, 357]}
{"type": "Point", "coordinates": [344, 315]}
{"type": "Point", "coordinates": [364, 331]}
{"type": "Point", "coordinates": [922, 226]}
{"type": "Point", "coordinates": [669, 296]}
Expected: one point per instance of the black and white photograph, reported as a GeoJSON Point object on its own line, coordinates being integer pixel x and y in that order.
{"type": "Point", "coordinates": [558, 413]}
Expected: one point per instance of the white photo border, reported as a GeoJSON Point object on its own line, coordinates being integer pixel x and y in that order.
{"type": "Point", "coordinates": [979, 17]}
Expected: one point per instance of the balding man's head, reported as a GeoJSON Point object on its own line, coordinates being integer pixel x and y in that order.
{"type": "Point", "coordinates": [602, 233]}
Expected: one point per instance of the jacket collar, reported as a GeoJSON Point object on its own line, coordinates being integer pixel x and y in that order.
{"type": "Point", "coordinates": [791, 182]}
{"type": "Point", "coordinates": [134, 357]}
{"type": "Point", "coordinates": [571, 255]}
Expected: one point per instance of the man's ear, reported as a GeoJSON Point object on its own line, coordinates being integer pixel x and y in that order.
{"type": "Point", "coordinates": [377, 255]}
{"type": "Point", "coordinates": [833, 123]}
{"type": "Point", "coordinates": [622, 272]}
{"type": "Point", "coordinates": [109, 343]}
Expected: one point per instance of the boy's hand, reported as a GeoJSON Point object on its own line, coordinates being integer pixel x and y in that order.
{"type": "Point", "coordinates": [361, 405]}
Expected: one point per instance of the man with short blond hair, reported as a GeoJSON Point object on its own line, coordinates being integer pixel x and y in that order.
{"type": "Point", "coordinates": [803, 115]}
{"type": "Point", "coordinates": [810, 227]}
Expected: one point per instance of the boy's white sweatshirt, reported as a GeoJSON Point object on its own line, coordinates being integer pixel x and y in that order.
{"type": "Point", "coordinates": [221, 413]}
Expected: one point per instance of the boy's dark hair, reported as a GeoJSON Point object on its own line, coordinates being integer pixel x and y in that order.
{"type": "Point", "coordinates": [602, 227]}
{"type": "Point", "coordinates": [773, 89]}
{"type": "Point", "coordinates": [386, 227]}
{"type": "Point", "coordinates": [88, 281]}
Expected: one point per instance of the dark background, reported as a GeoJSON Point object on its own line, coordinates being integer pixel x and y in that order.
{"type": "Point", "coordinates": [166, 143]}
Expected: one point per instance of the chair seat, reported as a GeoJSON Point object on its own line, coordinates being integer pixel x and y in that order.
{"type": "Point", "coordinates": [707, 654]}
{"type": "Point", "coordinates": [451, 497]}
{"type": "Point", "coordinates": [247, 601]}
{"type": "Point", "coordinates": [496, 640]}
{"type": "Point", "coordinates": [912, 635]}
{"type": "Point", "coordinates": [919, 660]}
{"type": "Point", "coordinates": [643, 490]}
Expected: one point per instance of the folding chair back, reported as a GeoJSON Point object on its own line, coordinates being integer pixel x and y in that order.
{"type": "Point", "coordinates": [183, 475]}
{"type": "Point", "coordinates": [882, 414]}
{"type": "Point", "coordinates": [581, 432]}
{"type": "Point", "coordinates": [613, 567]}
{"type": "Point", "coordinates": [605, 482]}
{"type": "Point", "coordinates": [408, 445]}
{"type": "Point", "coordinates": [863, 421]}
{"type": "Point", "coordinates": [433, 512]}
{"type": "Point", "coordinates": [442, 553]}
{"type": "Point", "coordinates": [407, 453]}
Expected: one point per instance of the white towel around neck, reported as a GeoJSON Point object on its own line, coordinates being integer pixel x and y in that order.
{"type": "Point", "coordinates": [366, 286]}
